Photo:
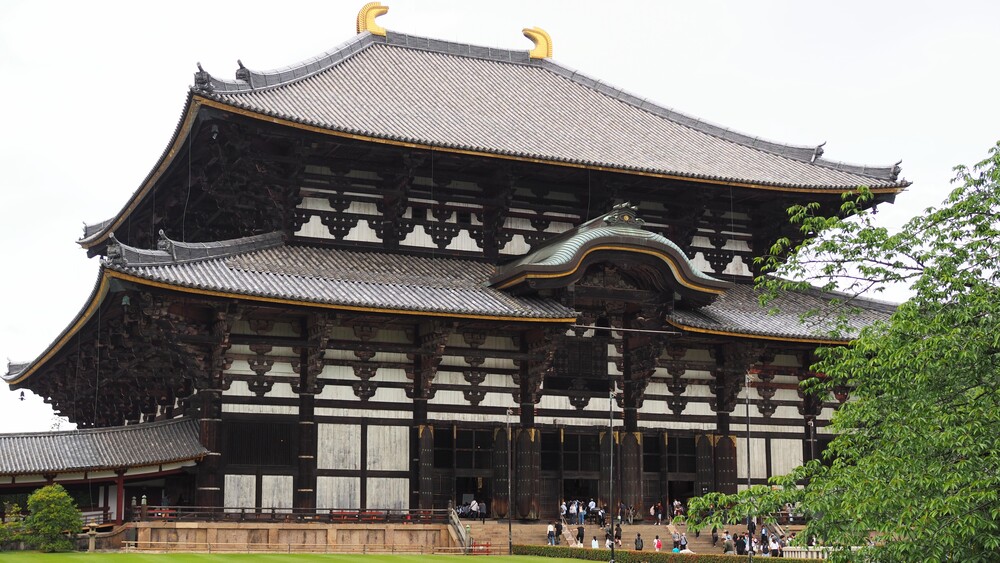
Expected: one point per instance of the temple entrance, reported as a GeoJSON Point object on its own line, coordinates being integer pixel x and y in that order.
{"type": "Point", "coordinates": [468, 488]}
{"type": "Point", "coordinates": [581, 489]}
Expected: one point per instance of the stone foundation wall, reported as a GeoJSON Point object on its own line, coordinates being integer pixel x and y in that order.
{"type": "Point", "coordinates": [291, 537]}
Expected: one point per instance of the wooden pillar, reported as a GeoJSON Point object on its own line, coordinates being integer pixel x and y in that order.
{"type": "Point", "coordinates": [317, 328]}
{"type": "Point", "coordinates": [631, 473]}
{"type": "Point", "coordinates": [305, 488]}
{"type": "Point", "coordinates": [430, 338]}
{"type": "Point", "coordinates": [500, 503]}
{"type": "Point", "coordinates": [705, 464]}
{"type": "Point", "coordinates": [605, 494]}
{"type": "Point", "coordinates": [208, 482]}
{"type": "Point", "coordinates": [725, 465]}
{"type": "Point", "coordinates": [119, 496]}
{"type": "Point", "coordinates": [528, 442]}
{"type": "Point", "coordinates": [425, 471]}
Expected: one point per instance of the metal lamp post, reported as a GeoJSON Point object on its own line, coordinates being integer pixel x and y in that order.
{"type": "Point", "coordinates": [510, 500]}
{"type": "Point", "coordinates": [749, 482]}
{"type": "Point", "coordinates": [611, 466]}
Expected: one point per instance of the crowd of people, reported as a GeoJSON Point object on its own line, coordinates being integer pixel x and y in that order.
{"type": "Point", "coordinates": [767, 544]}
{"type": "Point", "coordinates": [577, 513]}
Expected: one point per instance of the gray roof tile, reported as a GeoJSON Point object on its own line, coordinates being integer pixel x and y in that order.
{"type": "Point", "coordinates": [100, 448]}
{"type": "Point", "coordinates": [738, 311]}
{"type": "Point", "coordinates": [501, 102]}
{"type": "Point", "coordinates": [340, 277]}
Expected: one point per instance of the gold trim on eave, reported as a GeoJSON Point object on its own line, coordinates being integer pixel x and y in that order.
{"type": "Point", "coordinates": [366, 18]}
{"type": "Point", "coordinates": [108, 275]}
{"type": "Point", "coordinates": [542, 41]}
{"type": "Point", "coordinates": [199, 101]}
{"type": "Point", "coordinates": [828, 341]}
{"type": "Point", "coordinates": [671, 263]}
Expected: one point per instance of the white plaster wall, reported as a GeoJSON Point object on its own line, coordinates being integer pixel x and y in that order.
{"type": "Point", "coordinates": [338, 446]}
{"type": "Point", "coordinates": [373, 414]}
{"type": "Point", "coordinates": [737, 267]}
{"type": "Point", "coordinates": [785, 455]}
{"type": "Point", "coordinates": [338, 492]}
{"type": "Point", "coordinates": [464, 241]}
{"type": "Point", "coordinates": [260, 409]}
{"type": "Point", "coordinates": [276, 491]}
{"type": "Point", "coordinates": [314, 227]}
{"type": "Point", "coordinates": [758, 458]}
{"type": "Point", "coordinates": [388, 449]}
{"type": "Point", "coordinates": [419, 238]}
{"type": "Point", "coordinates": [516, 246]}
{"type": "Point", "coordinates": [281, 389]}
{"type": "Point", "coordinates": [362, 232]}
{"type": "Point", "coordinates": [240, 491]}
{"type": "Point", "coordinates": [388, 493]}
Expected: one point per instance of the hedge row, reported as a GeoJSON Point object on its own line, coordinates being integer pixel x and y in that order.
{"type": "Point", "coordinates": [629, 556]}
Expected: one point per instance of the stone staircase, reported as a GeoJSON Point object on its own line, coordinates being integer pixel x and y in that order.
{"type": "Point", "coordinates": [533, 533]}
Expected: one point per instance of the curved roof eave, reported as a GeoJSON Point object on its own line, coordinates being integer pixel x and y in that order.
{"type": "Point", "coordinates": [210, 100]}
{"type": "Point", "coordinates": [107, 275]}
{"type": "Point", "coordinates": [830, 341]}
{"type": "Point", "coordinates": [184, 124]}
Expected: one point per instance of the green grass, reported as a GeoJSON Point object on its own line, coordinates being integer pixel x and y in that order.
{"type": "Point", "coordinates": [19, 557]}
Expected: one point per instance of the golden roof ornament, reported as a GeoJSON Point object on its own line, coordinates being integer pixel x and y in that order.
{"type": "Point", "coordinates": [366, 18]}
{"type": "Point", "coordinates": [543, 43]}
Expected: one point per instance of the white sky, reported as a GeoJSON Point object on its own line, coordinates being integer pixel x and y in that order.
{"type": "Point", "coordinates": [91, 93]}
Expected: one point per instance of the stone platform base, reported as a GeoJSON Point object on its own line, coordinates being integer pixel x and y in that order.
{"type": "Point", "coordinates": [293, 537]}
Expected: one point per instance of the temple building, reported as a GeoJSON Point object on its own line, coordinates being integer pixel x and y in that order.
{"type": "Point", "coordinates": [408, 272]}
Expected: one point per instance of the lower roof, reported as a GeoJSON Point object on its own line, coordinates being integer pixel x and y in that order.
{"type": "Point", "coordinates": [121, 447]}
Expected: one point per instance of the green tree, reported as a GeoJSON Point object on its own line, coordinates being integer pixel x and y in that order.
{"type": "Point", "coordinates": [12, 528]}
{"type": "Point", "coordinates": [52, 514]}
{"type": "Point", "coordinates": [914, 470]}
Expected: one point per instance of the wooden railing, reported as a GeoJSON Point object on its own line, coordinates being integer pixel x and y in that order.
{"type": "Point", "coordinates": [328, 515]}
{"type": "Point", "coordinates": [222, 547]}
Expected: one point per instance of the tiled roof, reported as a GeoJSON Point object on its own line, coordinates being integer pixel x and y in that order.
{"type": "Point", "coordinates": [100, 448]}
{"type": "Point", "coordinates": [738, 311]}
{"type": "Point", "coordinates": [495, 101]}
{"type": "Point", "coordinates": [368, 280]}
{"type": "Point", "coordinates": [621, 229]}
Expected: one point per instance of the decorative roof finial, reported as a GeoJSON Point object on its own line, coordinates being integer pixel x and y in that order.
{"type": "Point", "coordinates": [543, 43]}
{"type": "Point", "coordinates": [366, 18]}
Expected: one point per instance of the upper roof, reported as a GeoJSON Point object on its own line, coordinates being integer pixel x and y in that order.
{"type": "Point", "coordinates": [92, 449]}
{"type": "Point", "coordinates": [501, 102]}
{"type": "Point", "coordinates": [440, 95]}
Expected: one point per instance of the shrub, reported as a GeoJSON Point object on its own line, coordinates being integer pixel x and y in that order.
{"type": "Point", "coordinates": [629, 556]}
{"type": "Point", "coordinates": [12, 528]}
{"type": "Point", "coordinates": [52, 514]}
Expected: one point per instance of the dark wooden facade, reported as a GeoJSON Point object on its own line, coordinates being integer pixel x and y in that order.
{"type": "Point", "coordinates": [308, 403]}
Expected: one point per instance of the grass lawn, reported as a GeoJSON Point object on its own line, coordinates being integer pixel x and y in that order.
{"type": "Point", "coordinates": [29, 556]}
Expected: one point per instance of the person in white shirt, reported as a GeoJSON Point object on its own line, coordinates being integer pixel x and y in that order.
{"type": "Point", "coordinates": [474, 509]}
{"type": "Point", "coordinates": [593, 543]}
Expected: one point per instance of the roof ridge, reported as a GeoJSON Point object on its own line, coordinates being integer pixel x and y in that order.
{"type": "Point", "coordinates": [255, 80]}
{"type": "Point", "coordinates": [102, 430]}
{"type": "Point", "coordinates": [802, 153]}
{"type": "Point", "coordinates": [176, 252]}
{"type": "Point", "coordinates": [248, 80]}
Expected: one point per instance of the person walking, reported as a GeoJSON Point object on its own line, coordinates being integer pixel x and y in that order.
{"type": "Point", "coordinates": [715, 536]}
{"type": "Point", "coordinates": [657, 543]}
{"type": "Point", "coordinates": [550, 533]}
{"type": "Point", "coordinates": [638, 542]}
{"type": "Point", "coordinates": [579, 535]}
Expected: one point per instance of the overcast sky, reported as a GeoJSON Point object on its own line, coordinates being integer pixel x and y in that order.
{"type": "Point", "coordinates": [91, 93]}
